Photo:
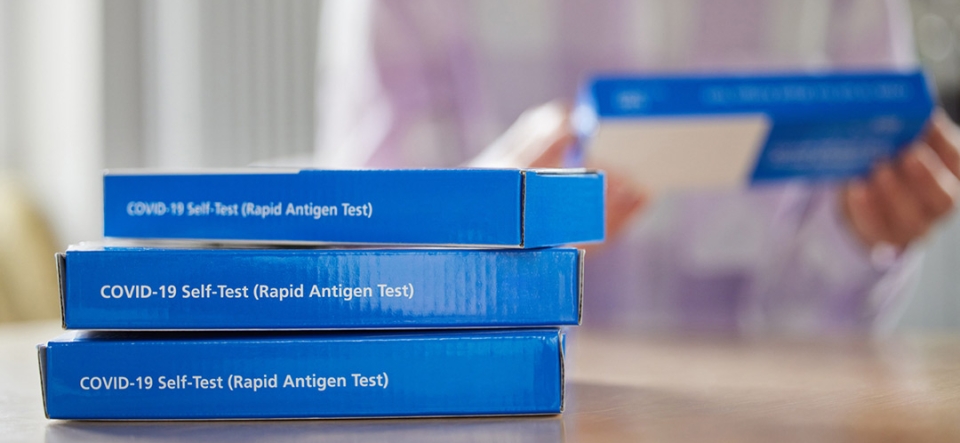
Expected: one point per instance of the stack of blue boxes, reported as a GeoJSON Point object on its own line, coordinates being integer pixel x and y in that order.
{"type": "Point", "coordinates": [301, 294]}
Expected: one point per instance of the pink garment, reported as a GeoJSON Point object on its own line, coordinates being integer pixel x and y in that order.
{"type": "Point", "coordinates": [429, 83]}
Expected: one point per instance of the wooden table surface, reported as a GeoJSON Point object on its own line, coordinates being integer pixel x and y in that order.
{"type": "Point", "coordinates": [618, 389]}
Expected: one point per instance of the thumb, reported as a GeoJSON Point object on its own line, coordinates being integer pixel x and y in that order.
{"type": "Point", "coordinates": [539, 138]}
{"type": "Point", "coordinates": [554, 136]}
{"type": "Point", "coordinates": [623, 201]}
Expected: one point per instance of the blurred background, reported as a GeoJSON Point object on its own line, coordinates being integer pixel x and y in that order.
{"type": "Point", "coordinates": [93, 84]}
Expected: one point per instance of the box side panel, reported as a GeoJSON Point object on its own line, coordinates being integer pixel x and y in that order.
{"type": "Point", "coordinates": [321, 289]}
{"type": "Point", "coordinates": [563, 208]}
{"type": "Point", "coordinates": [375, 206]}
{"type": "Point", "coordinates": [832, 150]}
{"type": "Point", "coordinates": [42, 360]}
{"type": "Point", "coordinates": [472, 373]}
{"type": "Point", "coordinates": [821, 127]}
{"type": "Point", "coordinates": [61, 259]}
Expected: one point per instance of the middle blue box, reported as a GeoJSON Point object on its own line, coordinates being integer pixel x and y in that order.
{"type": "Point", "coordinates": [143, 288]}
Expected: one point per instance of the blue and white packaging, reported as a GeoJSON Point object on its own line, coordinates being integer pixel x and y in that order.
{"type": "Point", "coordinates": [466, 207]}
{"type": "Point", "coordinates": [701, 131]}
{"type": "Point", "coordinates": [140, 288]}
{"type": "Point", "coordinates": [168, 376]}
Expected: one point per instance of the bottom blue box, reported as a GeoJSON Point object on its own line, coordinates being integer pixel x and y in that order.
{"type": "Point", "coordinates": [173, 376]}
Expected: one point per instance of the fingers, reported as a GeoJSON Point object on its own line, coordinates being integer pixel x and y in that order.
{"type": "Point", "coordinates": [900, 202]}
{"type": "Point", "coordinates": [862, 211]}
{"type": "Point", "coordinates": [904, 214]}
{"type": "Point", "coordinates": [623, 201]}
{"type": "Point", "coordinates": [933, 184]}
{"type": "Point", "coordinates": [942, 136]}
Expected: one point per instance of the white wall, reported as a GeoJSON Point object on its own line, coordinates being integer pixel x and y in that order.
{"type": "Point", "coordinates": [52, 108]}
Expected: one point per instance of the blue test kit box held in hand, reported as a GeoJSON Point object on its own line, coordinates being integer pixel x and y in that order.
{"type": "Point", "coordinates": [269, 375]}
{"type": "Point", "coordinates": [703, 131]}
{"type": "Point", "coordinates": [506, 208]}
{"type": "Point", "coordinates": [144, 288]}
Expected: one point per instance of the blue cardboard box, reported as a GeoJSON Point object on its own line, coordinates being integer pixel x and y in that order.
{"type": "Point", "coordinates": [170, 376]}
{"type": "Point", "coordinates": [149, 288]}
{"type": "Point", "coordinates": [450, 207]}
{"type": "Point", "coordinates": [703, 131]}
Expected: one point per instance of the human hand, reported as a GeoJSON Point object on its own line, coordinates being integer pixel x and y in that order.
{"type": "Point", "coordinates": [901, 200]}
{"type": "Point", "coordinates": [542, 138]}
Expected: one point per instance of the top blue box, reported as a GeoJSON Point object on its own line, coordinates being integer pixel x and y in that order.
{"type": "Point", "coordinates": [442, 207]}
{"type": "Point", "coordinates": [692, 130]}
